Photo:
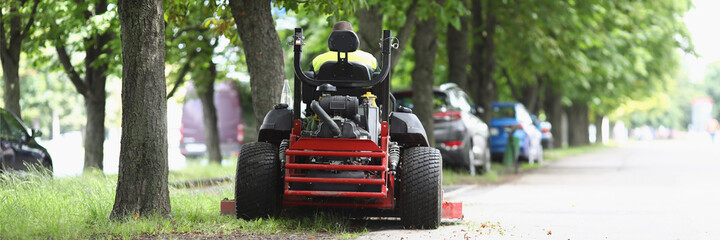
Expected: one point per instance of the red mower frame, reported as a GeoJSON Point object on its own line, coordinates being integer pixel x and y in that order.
{"type": "Point", "coordinates": [338, 147]}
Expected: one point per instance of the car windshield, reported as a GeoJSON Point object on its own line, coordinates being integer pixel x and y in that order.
{"type": "Point", "coordinates": [439, 102]}
{"type": "Point", "coordinates": [504, 112]}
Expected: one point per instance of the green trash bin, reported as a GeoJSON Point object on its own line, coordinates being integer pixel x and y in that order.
{"type": "Point", "coordinates": [512, 148]}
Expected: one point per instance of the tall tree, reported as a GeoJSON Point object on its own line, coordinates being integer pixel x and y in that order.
{"type": "Point", "coordinates": [263, 53]}
{"type": "Point", "coordinates": [370, 21]}
{"type": "Point", "coordinates": [13, 30]}
{"type": "Point", "coordinates": [425, 45]}
{"type": "Point", "coordinates": [143, 175]}
{"type": "Point", "coordinates": [194, 27]}
{"type": "Point", "coordinates": [204, 76]}
{"type": "Point", "coordinates": [482, 60]}
{"type": "Point", "coordinates": [458, 52]}
{"type": "Point", "coordinates": [98, 64]}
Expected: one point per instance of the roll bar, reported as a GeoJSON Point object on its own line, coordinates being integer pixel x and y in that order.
{"type": "Point", "coordinates": [384, 71]}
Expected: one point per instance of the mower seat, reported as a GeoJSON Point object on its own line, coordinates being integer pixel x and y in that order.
{"type": "Point", "coordinates": [350, 71]}
{"type": "Point", "coordinates": [343, 42]}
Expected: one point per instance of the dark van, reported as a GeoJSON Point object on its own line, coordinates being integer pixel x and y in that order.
{"type": "Point", "coordinates": [230, 125]}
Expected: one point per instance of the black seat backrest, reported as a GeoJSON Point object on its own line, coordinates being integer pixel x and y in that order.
{"type": "Point", "coordinates": [343, 42]}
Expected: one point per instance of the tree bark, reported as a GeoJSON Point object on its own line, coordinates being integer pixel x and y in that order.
{"type": "Point", "coordinates": [143, 177]}
{"type": "Point", "coordinates": [458, 53]}
{"type": "Point", "coordinates": [10, 48]}
{"type": "Point", "coordinates": [553, 110]}
{"type": "Point", "coordinates": [578, 123]}
{"type": "Point", "coordinates": [11, 93]}
{"type": "Point", "coordinates": [482, 83]}
{"type": "Point", "coordinates": [530, 96]}
{"type": "Point", "coordinates": [210, 119]}
{"type": "Point", "coordinates": [425, 43]}
{"type": "Point", "coordinates": [95, 124]}
{"type": "Point", "coordinates": [263, 53]}
{"type": "Point", "coordinates": [598, 128]}
{"type": "Point", "coordinates": [370, 29]}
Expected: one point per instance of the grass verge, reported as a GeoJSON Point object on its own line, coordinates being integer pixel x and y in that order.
{"type": "Point", "coordinates": [452, 176]}
{"type": "Point", "coordinates": [37, 207]}
{"type": "Point", "coordinates": [200, 169]}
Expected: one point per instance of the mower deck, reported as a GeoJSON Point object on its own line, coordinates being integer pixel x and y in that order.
{"type": "Point", "coordinates": [450, 210]}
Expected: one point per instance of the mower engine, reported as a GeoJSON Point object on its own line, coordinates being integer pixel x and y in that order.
{"type": "Point", "coordinates": [341, 116]}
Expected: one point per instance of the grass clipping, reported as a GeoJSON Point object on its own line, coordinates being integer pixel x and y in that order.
{"type": "Point", "coordinates": [38, 206]}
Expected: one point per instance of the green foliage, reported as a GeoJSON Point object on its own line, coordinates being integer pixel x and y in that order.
{"type": "Point", "coordinates": [76, 25]}
{"type": "Point", "coordinates": [598, 52]}
{"type": "Point", "coordinates": [333, 10]}
{"type": "Point", "coordinates": [44, 93]}
{"type": "Point", "coordinates": [669, 108]}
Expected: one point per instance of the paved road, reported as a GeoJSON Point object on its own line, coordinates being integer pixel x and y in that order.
{"type": "Point", "coordinates": [646, 190]}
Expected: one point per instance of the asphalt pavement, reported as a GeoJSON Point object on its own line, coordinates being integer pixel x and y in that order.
{"type": "Point", "coordinates": [644, 190]}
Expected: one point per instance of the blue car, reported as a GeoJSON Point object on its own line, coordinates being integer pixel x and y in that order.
{"type": "Point", "coordinates": [514, 114]}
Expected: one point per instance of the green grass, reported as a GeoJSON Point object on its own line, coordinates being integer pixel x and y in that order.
{"type": "Point", "coordinates": [197, 169]}
{"type": "Point", "coordinates": [452, 176]}
{"type": "Point", "coordinates": [558, 153]}
{"type": "Point", "coordinates": [36, 207]}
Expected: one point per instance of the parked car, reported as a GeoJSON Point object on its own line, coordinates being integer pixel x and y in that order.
{"type": "Point", "coordinates": [547, 137]}
{"type": "Point", "coordinates": [230, 125]}
{"type": "Point", "coordinates": [514, 114]}
{"type": "Point", "coordinates": [544, 127]}
{"type": "Point", "coordinates": [461, 136]}
{"type": "Point", "coordinates": [18, 147]}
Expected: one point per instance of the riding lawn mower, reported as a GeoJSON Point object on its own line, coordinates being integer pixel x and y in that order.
{"type": "Point", "coordinates": [348, 149]}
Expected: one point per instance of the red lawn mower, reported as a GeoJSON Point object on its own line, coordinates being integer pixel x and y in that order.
{"type": "Point", "coordinates": [349, 150]}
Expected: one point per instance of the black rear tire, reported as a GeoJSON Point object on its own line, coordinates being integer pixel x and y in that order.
{"type": "Point", "coordinates": [421, 188]}
{"type": "Point", "coordinates": [257, 181]}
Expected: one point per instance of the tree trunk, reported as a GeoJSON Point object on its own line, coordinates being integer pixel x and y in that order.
{"type": "Point", "coordinates": [10, 56]}
{"type": "Point", "coordinates": [142, 186]}
{"type": "Point", "coordinates": [95, 79]}
{"type": "Point", "coordinates": [92, 88]}
{"type": "Point", "coordinates": [553, 110]}
{"type": "Point", "coordinates": [370, 29]}
{"type": "Point", "coordinates": [425, 43]}
{"type": "Point", "coordinates": [598, 127]}
{"type": "Point", "coordinates": [95, 127]}
{"type": "Point", "coordinates": [458, 54]}
{"type": "Point", "coordinates": [263, 53]}
{"type": "Point", "coordinates": [482, 83]}
{"type": "Point", "coordinates": [10, 47]}
{"type": "Point", "coordinates": [11, 93]}
{"type": "Point", "coordinates": [529, 97]}
{"type": "Point", "coordinates": [578, 123]}
{"type": "Point", "coordinates": [403, 35]}
{"type": "Point", "coordinates": [210, 119]}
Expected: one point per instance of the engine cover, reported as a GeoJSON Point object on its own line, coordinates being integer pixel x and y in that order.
{"type": "Point", "coordinates": [343, 106]}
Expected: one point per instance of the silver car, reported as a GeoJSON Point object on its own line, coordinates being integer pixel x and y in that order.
{"type": "Point", "coordinates": [460, 134]}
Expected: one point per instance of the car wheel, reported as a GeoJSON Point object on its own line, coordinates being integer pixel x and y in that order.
{"type": "Point", "coordinates": [470, 159]}
{"type": "Point", "coordinates": [487, 159]}
{"type": "Point", "coordinates": [529, 150]}
{"type": "Point", "coordinates": [540, 155]}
